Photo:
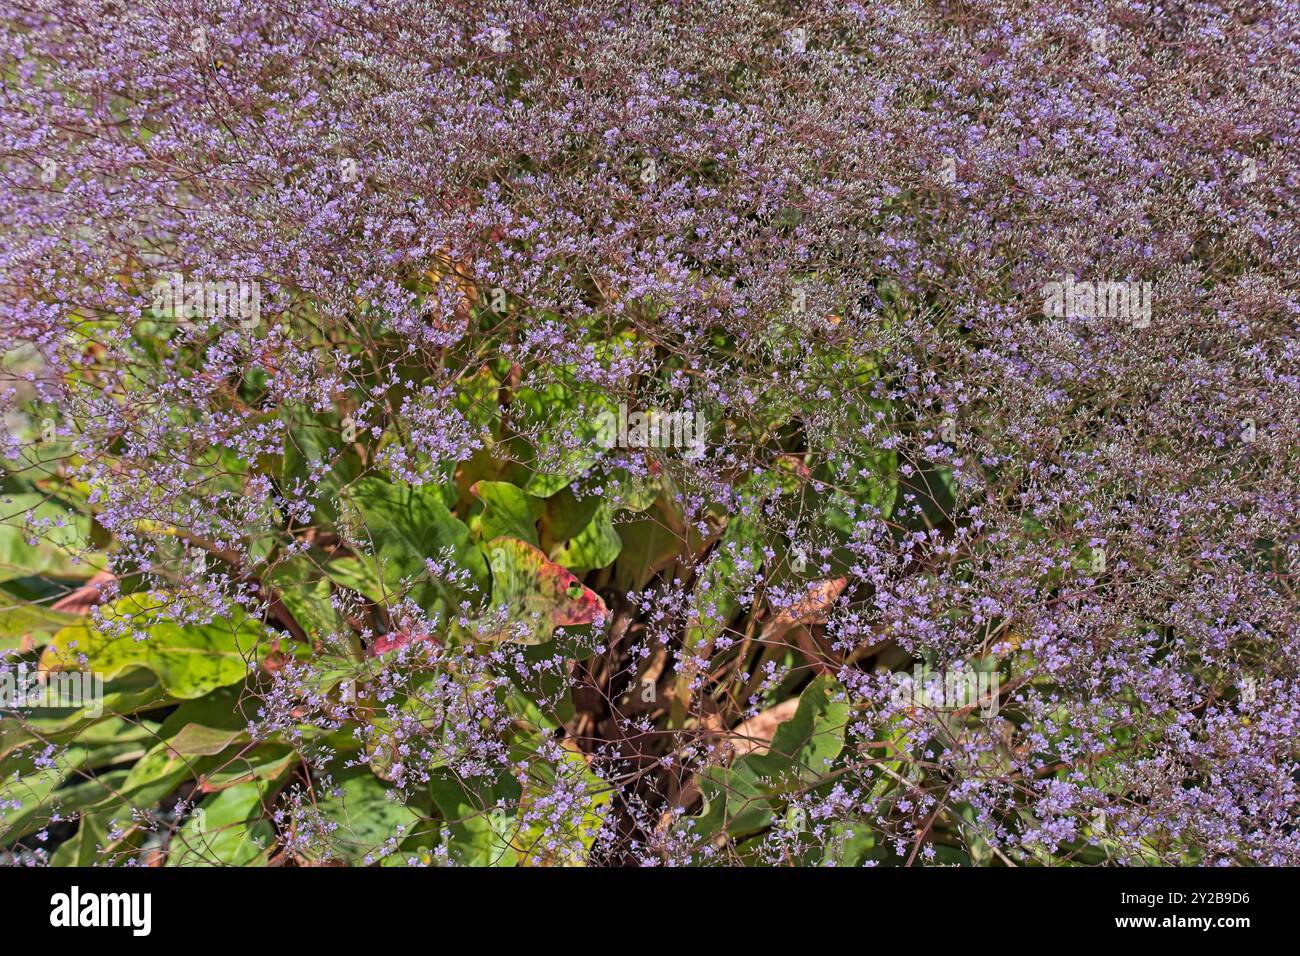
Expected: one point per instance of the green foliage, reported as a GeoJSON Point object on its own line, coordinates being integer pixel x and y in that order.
{"type": "Point", "coordinates": [41, 535]}
{"type": "Point", "coordinates": [358, 816]}
{"type": "Point", "coordinates": [595, 545]}
{"type": "Point", "coordinates": [189, 660]}
{"type": "Point", "coordinates": [507, 511]}
{"type": "Point", "coordinates": [227, 829]}
{"type": "Point", "coordinates": [740, 799]}
{"type": "Point", "coordinates": [398, 527]}
{"type": "Point", "coordinates": [510, 556]}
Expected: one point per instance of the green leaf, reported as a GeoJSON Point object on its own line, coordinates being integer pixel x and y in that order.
{"type": "Point", "coordinates": [739, 797]}
{"type": "Point", "coordinates": [71, 781]}
{"type": "Point", "coordinates": [61, 536]}
{"type": "Point", "coordinates": [360, 575]}
{"type": "Point", "coordinates": [542, 838]}
{"type": "Point", "coordinates": [734, 801]}
{"type": "Point", "coordinates": [192, 733]}
{"type": "Point", "coordinates": [565, 451]}
{"type": "Point", "coordinates": [364, 816]}
{"type": "Point", "coordinates": [508, 511]}
{"type": "Point", "coordinates": [565, 514]}
{"type": "Point", "coordinates": [265, 762]}
{"type": "Point", "coordinates": [477, 398]}
{"type": "Point", "coordinates": [226, 829]}
{"type": "Point", "coordinates": [135, 690]}
{"type": "Point", "coordinates": [190, 660]}
{"type": "Point", "coordinates": [23, 619]}
{"type": "Point", "coordinates": [596, 546]}
{"type": "Point", "coordinates": [715, 600]}
{"type": "Point", "coordinates": [83, 848]}
{"type": "Point", "coordinates": [403, 525]}
{"type": "Point", "coordinates": [730, 571]}
{"type": "Point", "coordinates": [545, 484]}
{"type": "Point", "coordinates": [196, 740]}
{"type": "Point", "coordinates": [477, 830]}
{"type": "Point", "coordinates": [305, 590]}
{"type": "Point", "coordinates": [634, 492]}
{"type": "Point", "coordinates": [158, 772]}
{"type": "Point", "coordinates": [804, 746]}
{"type": "Point", "coordinates": [309, 441]}
{"type": "Point", "coordinates": [649, 545]}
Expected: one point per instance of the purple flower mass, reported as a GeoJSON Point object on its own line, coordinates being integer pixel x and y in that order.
{"type": "Point", "coordinates": [643, 433]}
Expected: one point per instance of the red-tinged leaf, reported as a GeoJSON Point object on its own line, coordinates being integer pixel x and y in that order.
{"type": "Point", "coordinates": [538, 594]}
{"type": "Point", "coordinates": [86, 597]}
{"type": "Point", "coordinates": [398, 639]}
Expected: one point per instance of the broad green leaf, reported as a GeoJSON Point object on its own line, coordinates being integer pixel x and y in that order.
{"type": "Point", "coordinates": [21, 619]}
{"type": "Point", "coordinates": [565, 514]}
{"type": "Point", "coordinates": [729, 572]}
{"type": "Point", "coordinates": [477, 398]}
{"type": "Point", "coordinates": [595, 546]}
{"type": "Point", "coordinates": [226, 829]}
{"type": "Point", "coordinates": [545, 838]}
{"type": "Point", "coordinates": [802, 749]}
{"type": "Point", "coordinates": [310, 442]}
{"type": "Point", "coordinates": [196, 740]}
{"type": "Point", "coordinates": [545, 484]}
{"type": "Point", "coordinates": [158, 772]}
{"type": "Point", "coordinates": [106, 728]}
{"type": "Point", "coordinates": [404, 525]}
{"type": "Point", "coordinates": [267, 761]}
{"type": "Point", "coordinates": [70, 781]}
{"type": "Point", "coordinates": [39, 535]}
{"type": "Point", "coordinates": [306, 591]}
{"type": "Point", "coordinates": [83, 848]}
{"type": "Point", "coordinates": [190, 660]}
{"type": "Point", "coordinates": [360, 575]}
{"type": "Point", "coordinates": [634, 492]}
{"type": "Point", "coordinates": [507, 511]}
{"type": "Point", "coordinates": [135, 690]}
{"type": "Point", "coordinates": [477, 830]}
{"type": "Point", "coordinates": [649, 545]}
{"type": "Point", "coordinates": [192, 734]}
{"type": "Point", "coordinates": [360, 817]}
{"type": "Point", "coordinates": [804, 746]}
{"type": "Point", "coordinates": [734, 801]}
{"type": "Point", "coordinates": [565, 451]}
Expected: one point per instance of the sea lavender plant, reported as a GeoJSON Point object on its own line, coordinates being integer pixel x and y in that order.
{"type": "Point", "coordinates": [552, 433]}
